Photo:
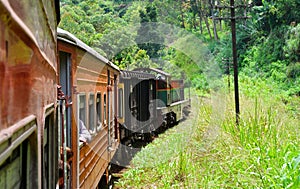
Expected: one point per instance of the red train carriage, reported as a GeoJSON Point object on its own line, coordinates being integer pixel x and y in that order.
{"type": "Point", "coordinates": [28, 147]}
{"type": "Point", "coordinates": [90, 81]}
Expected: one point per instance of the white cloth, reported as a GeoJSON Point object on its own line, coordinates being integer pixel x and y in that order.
{"type": "Point", "coordinates": [84, 134]}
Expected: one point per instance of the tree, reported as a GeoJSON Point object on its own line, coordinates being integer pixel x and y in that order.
{"type": "Point", "coordinates": [203, 14]}
{"type": "Point", "coordinates": [148, 37]}
{"type": "Point", "coordinates": [212, 5]}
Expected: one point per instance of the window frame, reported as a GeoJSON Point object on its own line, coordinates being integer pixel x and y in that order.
{"type": "Point", "coordinates": [84, 108]}
{"type": "Point", "coordinates": [98, 111]}
{"type": "Point", "coordinates": [51, 144]}
{"type": "Point", "coordinates": [121, 103]}
{"type": "Point", "coordinates": [20, 150]}
{"type": "Point", "coordinates": [92, 108]}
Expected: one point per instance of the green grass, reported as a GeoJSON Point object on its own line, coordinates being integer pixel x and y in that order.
{"type": "Point", "coordinates": [210, 151]}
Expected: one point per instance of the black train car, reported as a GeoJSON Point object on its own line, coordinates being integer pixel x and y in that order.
{"type": "Point", "coordinates": [171, 102]}
{"type": "Point", "coordinates": [137, 107]}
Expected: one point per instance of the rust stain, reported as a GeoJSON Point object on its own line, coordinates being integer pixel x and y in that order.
{"type": "Point", "coordinates": [15, 46]}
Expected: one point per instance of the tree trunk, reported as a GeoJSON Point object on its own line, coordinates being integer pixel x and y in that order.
{"type": "Point", "coordinates": [215, 29]}
{"type": "Point", "coordinates": [200, 22]}
{"type": "Point", "coordinates": [214, 21]}
{"type": "Point", "coordinates": [198, 8]}
{"type": "Point", "coordinates": [207, 26]}
{"type": "Point", "coordinates": [220, 15]}
{"type": "Point", "coordinates": [205, 17]}
{"type": "Point", "coordinates": [182, 15]}
{"type": "Point", "coordinates": [245, 12]}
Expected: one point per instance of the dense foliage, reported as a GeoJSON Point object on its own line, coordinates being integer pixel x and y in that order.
{"type": "Point", "coordinates": [268, 43]}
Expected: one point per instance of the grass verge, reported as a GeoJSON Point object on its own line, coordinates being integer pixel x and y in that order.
{"type": "Point", "coordinates": [209, 150]}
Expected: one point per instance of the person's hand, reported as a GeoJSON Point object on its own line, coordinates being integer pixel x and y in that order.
{"type": "Point", "coordinates": [68, 150]}
{"type": "Point", "coordinates": [82, 139]}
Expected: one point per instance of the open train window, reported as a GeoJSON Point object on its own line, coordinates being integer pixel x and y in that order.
{"type": "Point", "coordinates": [13, 172]}
{"type": "Point", "coordinates": [92, 127]}
{"type": "Point", "coordinates": [99, 109]}
{"type": "Point", "coordinates": [50, 153]}
{"type": "Point", "coordinates": [18, 167]}
{"type": "Point", "coordinates": [162, 84]}
{"type": "Point", "coordinates": [82, 108]}
{"type": "Point", "coordinates": [132, 97]}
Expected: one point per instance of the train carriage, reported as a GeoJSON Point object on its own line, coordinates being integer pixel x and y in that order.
{"type": "Point", "coordinates": [28, 69]}
{"type": "Point", "coordinates": [171, 100]}
{"type": "Point", "coordinates": [137, 107]}
{"type": "Point", "coordinates": [151, 102]}
{"type": "Point", "coordinates": [90, 81]}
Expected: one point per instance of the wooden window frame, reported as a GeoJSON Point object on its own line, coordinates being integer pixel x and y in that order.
{"type": "Point", "coordinates": [92, 106]}
{"type": "Point", "coordinates": [84, 108]}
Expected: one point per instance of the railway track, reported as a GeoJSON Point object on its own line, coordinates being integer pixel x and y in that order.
{"type": "Point", "coordinates": [118, 171]}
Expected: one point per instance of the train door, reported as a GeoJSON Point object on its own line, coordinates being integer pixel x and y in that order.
{"type": "Point", "coordinates": [65, 118]}
{"type": "Point", "coordinates": [65, 76]}
{"type": "Point", "coordinates": [116, 108]}
{"type": "Point", "coordinates": [107, 109]}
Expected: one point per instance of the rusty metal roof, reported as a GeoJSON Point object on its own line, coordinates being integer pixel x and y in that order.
{"type": "Point", "coordinates": [136, 74]}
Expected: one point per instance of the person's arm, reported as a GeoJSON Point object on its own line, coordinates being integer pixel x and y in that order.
{"type": "Point", "coordinates": [83, 132]}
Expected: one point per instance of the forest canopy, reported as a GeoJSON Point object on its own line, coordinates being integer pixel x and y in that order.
{"type": "Point", "coordinates": [268, 41]}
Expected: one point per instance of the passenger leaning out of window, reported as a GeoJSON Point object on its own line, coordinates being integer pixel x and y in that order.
{"type": "Point", "coordinates": [84, 134]}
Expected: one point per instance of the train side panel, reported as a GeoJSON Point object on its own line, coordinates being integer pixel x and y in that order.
{"type": "Point", "coordinates": [96, 87]}
{"type": "Point", "coordinates": [28, 94]}
{"type": "Point", "coordinates": [137, 104]}
{"type": "Point", "coordinates": [94, 101]}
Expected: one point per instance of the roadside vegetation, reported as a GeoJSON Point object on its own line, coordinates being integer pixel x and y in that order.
{"type": "Point", "coordinates": [208, 150]}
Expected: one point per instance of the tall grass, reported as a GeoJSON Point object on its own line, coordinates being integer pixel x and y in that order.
{"type": "Point", "coordinates": [263, 151]}
{"type": "Point", "coordinates": [269, 133]}
{"type": "Point", "coordinates": [271, 139]}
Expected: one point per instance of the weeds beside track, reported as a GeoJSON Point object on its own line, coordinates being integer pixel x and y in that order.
{"type": "Point", "coordinates": [211, 151]}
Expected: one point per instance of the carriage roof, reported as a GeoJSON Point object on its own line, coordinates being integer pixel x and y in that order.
{"type": "Point", "coordinates": [70, 38]}
{"type": "Point", "coordinates": [153, 70]}
{"type": "Point", "coordinates": [136, 74]}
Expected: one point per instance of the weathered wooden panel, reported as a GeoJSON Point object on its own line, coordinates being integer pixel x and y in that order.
{"type": "Point", "coordinates": [27, 67]}
{"type": "Point", "coordinates": [39, 16]}
{"type": "Point", "coordinates": [90, 156]}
